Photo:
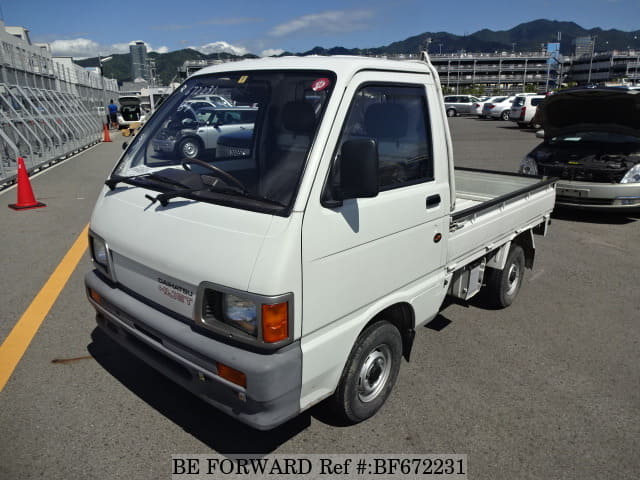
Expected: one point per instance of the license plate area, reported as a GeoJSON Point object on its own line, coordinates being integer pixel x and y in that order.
{"type": "Point", "coordinates": [572, 192]}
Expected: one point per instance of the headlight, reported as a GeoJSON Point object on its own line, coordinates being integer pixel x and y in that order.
{"type": "Point", "coordinates": [528, 166]}
{"type": "Point", "coordinates": [633, 175]}
{"type": "Point", "coordinates": [100, 253]}
{"type": "Point", "coordinates": [241, 313]}
{"type": "Point", "coordinates": [259, 320]}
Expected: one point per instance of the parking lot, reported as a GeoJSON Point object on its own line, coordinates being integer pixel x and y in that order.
{"type": "Point", "coordinates": [547, 388]}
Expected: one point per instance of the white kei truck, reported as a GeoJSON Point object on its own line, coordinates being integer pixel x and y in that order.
{"type": "Point", "coordinates": [295, 267]}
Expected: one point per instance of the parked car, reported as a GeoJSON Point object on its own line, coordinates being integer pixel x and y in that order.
{"type": "Point", "coordinates": [216, 100]}
{"type": "Point", "coordinates": [477, 106]}
{"type": "Point", "coordinates": [501, 110]}
{"type": "Point", "coordinates": [523, 110]}
{"type": "Point", "coordinates": [191, 131]}
{"type": "Point", "coordinates": [130, 113]}
{"type": "Point", "coordinates": [498, 109]}
{"type": "Point", "coordinates": [459, 104]}
{"type": "Point", "coordinates": [595, 156]}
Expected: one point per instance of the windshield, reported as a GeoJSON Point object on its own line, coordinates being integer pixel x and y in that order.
{"type": "Point", "coordinates": [244, 135]}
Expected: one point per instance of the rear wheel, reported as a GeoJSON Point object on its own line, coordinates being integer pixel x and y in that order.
{"type": "Point", "coordinates": [451, 112]}
{"type": "Point", "coordinates": [370, 373]}
{"type": "Point", "coordinates": [505, 115]}
{"type": "Point", "coordinates": [503, 286]}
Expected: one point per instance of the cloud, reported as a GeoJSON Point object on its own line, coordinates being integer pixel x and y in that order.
{"type": "Point", "coordinates": [270, 52]}
{"type": "Point", "coordinates": [78, 47]}
{"type": "Point", "coordinates": [329, 22]}
{"type": "Point", "coordinates": [221, 47]}
{"type": "Point", "coordinates": [84, 48]}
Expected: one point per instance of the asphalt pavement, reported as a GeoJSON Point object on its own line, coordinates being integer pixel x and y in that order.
{"type": "Point", "coordinates": [547, 388]}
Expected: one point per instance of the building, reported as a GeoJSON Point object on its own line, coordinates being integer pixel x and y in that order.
{"type": "Point", "coordinates": [500, 72]}
{"type": "Point", "coordinates": [139, 65]}
{"type": "Point", "coordinates": [584, 46]}
{"type": "Point", "coordinates": [621, 67]}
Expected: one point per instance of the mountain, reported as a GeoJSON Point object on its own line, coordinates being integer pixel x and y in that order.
{"type": "Point", "coordinates": [525, 37]}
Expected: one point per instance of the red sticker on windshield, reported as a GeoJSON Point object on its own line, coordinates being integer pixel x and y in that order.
{"type": "Point", "coordinates": [320, 84]}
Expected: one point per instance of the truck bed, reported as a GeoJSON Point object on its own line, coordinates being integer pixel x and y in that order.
{"type": "Point", "coordinates": [492, 208]}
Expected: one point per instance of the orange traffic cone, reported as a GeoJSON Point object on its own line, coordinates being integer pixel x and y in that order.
{"type": "Point", "coordinates": [26, 199]}
{"type": "Point", "coordinates": [107, 137]}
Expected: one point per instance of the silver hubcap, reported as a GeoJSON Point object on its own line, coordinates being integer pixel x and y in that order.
{"type": "Point", "coordinates": [374, 373]}
{"type": "Point", "coordinates": [513, 278]}
{"type": "Point", "coordinates": [189, 150]}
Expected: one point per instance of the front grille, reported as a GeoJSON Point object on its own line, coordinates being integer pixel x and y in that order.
{"type": "Point", "coordinates": [581, 174]}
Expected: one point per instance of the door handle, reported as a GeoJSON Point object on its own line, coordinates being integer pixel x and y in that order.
{"type": "Point", "coordinates": [433, 201]}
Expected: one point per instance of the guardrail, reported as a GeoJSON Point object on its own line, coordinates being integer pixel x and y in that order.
{"type": "Point", "coordinates": [42, 126]}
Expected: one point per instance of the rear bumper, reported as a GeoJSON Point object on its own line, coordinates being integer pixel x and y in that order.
{"type": "Point", "coordinates": [178, 351]}
{"type": "Point", "coordinates": [599, 196]}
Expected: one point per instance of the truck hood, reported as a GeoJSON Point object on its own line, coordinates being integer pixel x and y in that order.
{"type": "Point", "coordinates": [614, 110]}
{"type": "Point", "coordinates": [163, 253]}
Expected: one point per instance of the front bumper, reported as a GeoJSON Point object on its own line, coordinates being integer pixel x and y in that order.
{"type": "Point", "coordinates": [598, 196]}
{"type": "Point", "coordinates": [178, 351]}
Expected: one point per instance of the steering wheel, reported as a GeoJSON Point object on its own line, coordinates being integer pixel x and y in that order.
{"type": "Point", "coordinates": [218, 171]}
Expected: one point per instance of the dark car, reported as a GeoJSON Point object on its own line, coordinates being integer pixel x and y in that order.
{"type": "Point", "coordinates": [592, 144]}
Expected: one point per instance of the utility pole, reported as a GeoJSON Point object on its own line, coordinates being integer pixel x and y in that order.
{"type": "Point", "coordinates": [593, 48]}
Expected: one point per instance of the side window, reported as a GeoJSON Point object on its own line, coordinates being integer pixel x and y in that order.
{"type": "Point", "coordinates": [396, 117]}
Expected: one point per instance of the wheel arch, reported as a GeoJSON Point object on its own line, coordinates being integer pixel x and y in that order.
{"type": "Point", "coordinates": [525, 240]}
{"type": "Point", "coordinates": [402, 316]}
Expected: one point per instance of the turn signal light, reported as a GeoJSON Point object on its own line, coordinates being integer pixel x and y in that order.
{"type": "Point", "coordinates": [275, 322]}
{"type": "Point", "coordinates": [95, 296]}
{"type": "Point", "coordinates": [231, 374]}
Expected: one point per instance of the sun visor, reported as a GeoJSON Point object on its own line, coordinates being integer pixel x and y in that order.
{"type": "Point", "coordinates": [596, 109]}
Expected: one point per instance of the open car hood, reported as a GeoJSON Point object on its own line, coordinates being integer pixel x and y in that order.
{"type": "Point", "coordinates": [613, 110]}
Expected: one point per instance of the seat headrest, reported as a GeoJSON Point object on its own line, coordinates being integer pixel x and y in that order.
{"type": "Point", "coordinates": [298, 117]}
{"type": "Point", "coordinates": [386, 120]}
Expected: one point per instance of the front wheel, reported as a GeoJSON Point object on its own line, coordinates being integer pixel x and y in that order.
{"type": "Point", "coordinates": [189, 148]}
{"type": "Point", "coordinates": [503, 285]}
{"type": "Point", "coordinates": [370, 373]}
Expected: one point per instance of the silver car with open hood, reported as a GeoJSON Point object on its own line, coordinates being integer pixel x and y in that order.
{"type": "Point", "coordinates": [592, 144]}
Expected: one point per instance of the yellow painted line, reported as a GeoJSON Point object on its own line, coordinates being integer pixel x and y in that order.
{"type": "Point", "coordinates": [14, 346]}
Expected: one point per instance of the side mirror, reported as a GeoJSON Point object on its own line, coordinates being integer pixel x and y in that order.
{"type": "Point", "coordinates": [358, 172]}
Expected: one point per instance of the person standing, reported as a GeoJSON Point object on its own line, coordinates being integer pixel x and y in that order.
{"type": "Point", "coordinates": [113, 114]}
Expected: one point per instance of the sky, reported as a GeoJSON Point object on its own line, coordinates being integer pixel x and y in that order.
{"type": "Point", "coordinates": [89, 28]}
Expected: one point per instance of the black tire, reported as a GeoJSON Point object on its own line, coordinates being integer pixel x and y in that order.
{"type": "Point", "coordinates": [505, 115]}
{"type": "Point", "coordinates": [451, 112]}
{"type": "Point", "coordinates": [369, 374]}
{"type": "Point", "coordinates": [502, 286]}
{"type": "Point", "coordinates": [189, 148]}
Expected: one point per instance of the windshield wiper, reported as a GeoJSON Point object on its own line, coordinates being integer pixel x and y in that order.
{"type": "Point", "coordinates": [116, 179]}
{"type": "Point", "coordinates": [164, 198]}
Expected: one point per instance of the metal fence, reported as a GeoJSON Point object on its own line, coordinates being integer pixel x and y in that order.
{"type": "Point", "coordinates": [42, 126]}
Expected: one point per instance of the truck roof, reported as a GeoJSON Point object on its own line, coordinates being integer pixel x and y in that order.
{"type": "Point", "coordinates": [340, 64]}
